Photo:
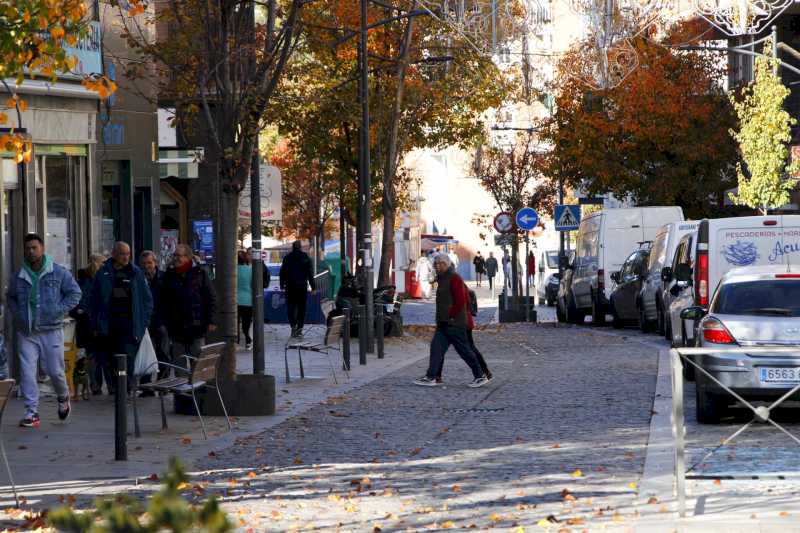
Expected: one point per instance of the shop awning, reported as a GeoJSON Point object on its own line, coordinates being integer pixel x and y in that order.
{"type": "Point", "coordinates": [181, 164]}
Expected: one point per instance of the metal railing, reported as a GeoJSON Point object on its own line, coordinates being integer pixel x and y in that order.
{"type": "Point", "coordinates": [681, 356]}
{"type": "Point", "coordinates": [324, 283]}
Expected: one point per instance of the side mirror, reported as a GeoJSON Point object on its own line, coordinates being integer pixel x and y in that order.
{"type": "Point", "coordinates": [683, 272]}
{"type": "Point", "coordinates": [693, 313]}
{"type": "Point", "coordinates": [666, 274]}
{"type": "Point", "coordinates": [615, 276]}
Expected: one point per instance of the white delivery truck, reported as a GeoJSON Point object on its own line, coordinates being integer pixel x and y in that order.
{"type": "Point", "coordinates": [720, 245]}
{"type": "Point", "coordinates": [605, 239]}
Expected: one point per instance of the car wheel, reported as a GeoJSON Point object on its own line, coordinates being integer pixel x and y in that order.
{"type": "Point", "coordinates": [573, 315]}
{"type": "Point", "coordinates": [598, 315]}
{"type": "Point", "coordinates": [710, 408]}
{"type": "Point", "coordinates": [645, 325]}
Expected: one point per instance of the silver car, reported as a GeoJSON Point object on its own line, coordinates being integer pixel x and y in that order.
{"type": "Point", "coordinates": [753, 306]}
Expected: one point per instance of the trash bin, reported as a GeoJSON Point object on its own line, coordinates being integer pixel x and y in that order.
{"type": "Point", "coordinates": [413, 287]}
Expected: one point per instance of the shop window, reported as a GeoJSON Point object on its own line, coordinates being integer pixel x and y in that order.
{"type": "Point", "coordinates": [59, 214]}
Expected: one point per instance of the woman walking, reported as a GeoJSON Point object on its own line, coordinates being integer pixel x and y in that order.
{"type": "Point", "coordinates": [98, 366]}
{"type": "Point", "coordinates": [244, 295]}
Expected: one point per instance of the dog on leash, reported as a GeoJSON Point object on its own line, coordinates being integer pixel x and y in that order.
{"type": "Point", "coordinates": [80, 378]}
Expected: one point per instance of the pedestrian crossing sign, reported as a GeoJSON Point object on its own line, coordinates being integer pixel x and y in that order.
{"type": "Point", "coordinates": [567, 217]}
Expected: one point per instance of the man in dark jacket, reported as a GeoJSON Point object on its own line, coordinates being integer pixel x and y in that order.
{"type": "Point", "coordinates": [452, 321]}
{"type": "Point", "coordinates": [120, 308]}
{"type": "Point", "coordinates": [491, 269]}
{"type": "Point", "coordinates": [296, 275]}
{"type": "Point", "coordinates": [189, 304]}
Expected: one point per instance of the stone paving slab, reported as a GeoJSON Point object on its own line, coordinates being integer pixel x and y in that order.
{"type": "Point", "coordinates": [77, 458]}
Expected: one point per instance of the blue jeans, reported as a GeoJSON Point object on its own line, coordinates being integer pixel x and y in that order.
{"type": "Point", "coordinates": [457, 336]}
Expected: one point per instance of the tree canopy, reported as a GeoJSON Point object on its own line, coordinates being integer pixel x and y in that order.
{"type": "Point", "coordinates": [660, 138]}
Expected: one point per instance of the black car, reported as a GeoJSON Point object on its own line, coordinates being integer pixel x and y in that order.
{"type": "Point", "coordinates": [628, 283]}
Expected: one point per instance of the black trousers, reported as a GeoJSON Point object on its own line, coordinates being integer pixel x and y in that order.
{"type": "Point", "coordinates": [491, 280]}
{"type": "Point", "coordinates": [246, 316]}
{"type": "Point", "coordinates": [478, 355]}
{"type": "Point", "coordinates": [296, 306]}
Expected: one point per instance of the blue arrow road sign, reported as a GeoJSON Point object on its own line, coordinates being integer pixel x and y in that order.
{"type": "Point", "coordinates": [527, 218]}
{"type": "Point", "coordinates": [567, 217]}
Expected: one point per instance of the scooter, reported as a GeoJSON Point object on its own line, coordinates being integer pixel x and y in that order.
{"type": "Point", "coordinates": [350, 296]}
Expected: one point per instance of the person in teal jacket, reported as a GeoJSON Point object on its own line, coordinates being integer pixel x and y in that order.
{"type": "Point", "coordinates": [244, 295]}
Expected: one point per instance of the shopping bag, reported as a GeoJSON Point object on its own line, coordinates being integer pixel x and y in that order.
{"type": "Point", "coordinates": [146, 362]}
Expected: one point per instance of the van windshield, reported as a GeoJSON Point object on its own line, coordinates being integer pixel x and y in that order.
{"type": "Point", "coordinates": [552, 259]}
{"type": "Point", "coordinates": [759, 298]}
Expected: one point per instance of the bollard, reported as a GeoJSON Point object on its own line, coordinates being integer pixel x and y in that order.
{"type": "Point", "coordinates": [121, 412]}
{"type": "Point", "coordinates": [362, 334]}
{"type": "Point", "coordinates": [379, 310]}
{"type": "Point", "coordinates": [346, 340]}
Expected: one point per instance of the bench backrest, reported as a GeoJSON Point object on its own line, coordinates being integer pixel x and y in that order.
{"type": "Point", "coordinates": [335, 331]}
{"type": "Point", "coordinates": [205, 368]}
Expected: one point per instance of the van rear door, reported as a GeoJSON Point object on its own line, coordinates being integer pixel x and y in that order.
{"type": "Point", "coordinates": [749, 241]}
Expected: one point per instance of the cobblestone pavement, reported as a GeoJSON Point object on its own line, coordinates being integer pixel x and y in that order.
{"type": "Point", "coordinates": [556, 439]}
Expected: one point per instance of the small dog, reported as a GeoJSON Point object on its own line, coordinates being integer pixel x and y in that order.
{"type": "Point", "coordinates": [80, 378]}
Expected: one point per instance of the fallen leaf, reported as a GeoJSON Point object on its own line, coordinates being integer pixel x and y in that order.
{"type": "Point", "coordinates": [376, 529]}
{"type": "Point", "coordinates": [494, 517]}
{"type": "Point", "coordinates": [577, 473]}
{"type": "Point", "coordinates": [183, 485]}
{"type": "Point", "coordinates": [252, 475]}
{"type": "Point", "coordinates": [618, 517]}
{"type": "Point", "coordinates": [449, 524]}
{"type": "Point", "coordinates": [555, 446]}
{"type": "Point", "coordinates": [632, 485]}
{"type": "Point", "coordinates": [753, 516]}
{"type": "Point", "coordinates": [186, 440]}
{"type": "Point", "coordinates": [663, 509]}
{"type": "Point", "coordinates": [575, 521]}
{"type": "Point", "coordinates": [153, 477]}
{"type": "Point", "coordinates": [276, 514]}
{"type": "Point", "coordinates": [653, 500]}
{"type": "Point", "coordinates": [717, 482]}
{"type": "Point", "coordinates": [297, 460]}
{"type": "Point", "coordinates": [783, 513]}
{"type": "Point", "coordinates": [456, 488]}
{"type": "Point", "coordinates": [415, 451]}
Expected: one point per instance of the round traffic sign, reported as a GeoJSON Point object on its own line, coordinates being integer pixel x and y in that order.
{"type": "Point", "coordinates": [504, 222]}
{"type": "Point", "coordinates": [527, 218]}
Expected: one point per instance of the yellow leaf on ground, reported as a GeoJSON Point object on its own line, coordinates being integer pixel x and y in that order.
{"type": "Point", "coordinates": [618, 517]}
{"type": "Point", "coordinates": [456, 488]}
{"type": "Point", "coordinates": [544, 522]}
{"type": "Point", "coordinates": [783, 513]}
{"type": "Point", "coordinates": [577, 473]}
{"type": "Point", "coordinates": [575, 521]}
{"type": "Point", "coordinates": [632, 485]}
{"type": "Point", "coordinates": [297, 461]}
{"type": "Point", "coordinates": [183, 486]}
{"type": "Point", "coordinates": [447, 525]}
{"type": "Point", "coordinates": [252, 475]}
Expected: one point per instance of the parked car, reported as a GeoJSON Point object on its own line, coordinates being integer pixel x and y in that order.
{"type": "Point", "coordinates": [627, 284]}
{"type": "Point", "coordinates": [651, 308]}
{"type": "Point", "coordinates": [604, 240]}
{"type": "Point", "coordinates": [546, 281]}
{"type": "Point", "coordinates": [721, 245]}
{"type": "Point", "coordinates": [753, 306]}
{"type": "Point", "coordinates": [548, 291]}
{"type": "Point", "coordinates": [675, 294]}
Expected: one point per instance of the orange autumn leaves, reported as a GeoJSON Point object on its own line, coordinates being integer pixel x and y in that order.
{"type": "Point", "coordinates": [668, 122]}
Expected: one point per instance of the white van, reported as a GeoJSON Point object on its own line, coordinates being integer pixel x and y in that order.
{"type": "Point", "coordinates": [650, 305]}
{"type": "Point", "coordinates": [723, 244]}
{"type": "Point", "coordinates": [605, 239]}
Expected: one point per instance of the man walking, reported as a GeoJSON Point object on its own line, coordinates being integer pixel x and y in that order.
{"type": "Point", "coordinates": [148, 262]}
{"type": "Point", "coordinates": [296, 275]}
{"type": "Point", "coordinates": [491, 269]}
{"type": "Point", "coordinates": [120, 308]}
{"type": "Point", "coordinates": [451, 325]}
{"type": "Point", "coordinates": [39, 296]}
{"type": "Point", "coordinates": [190, 304]}
{"type": "Point", "coordinates": [480, 267]}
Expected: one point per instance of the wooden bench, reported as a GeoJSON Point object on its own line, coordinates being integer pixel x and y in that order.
{"type": "Point", "coordinates": [6, 386]}
{"type": "Point", "coordinates": [331, 341]}
{"type": "Point", "coordinates": [203, 372]}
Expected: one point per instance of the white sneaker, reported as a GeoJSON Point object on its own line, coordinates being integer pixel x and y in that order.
{"type": "Point", "coordinates": [478, 382]}
{"type": "Point", "coordinates": [425, 381]}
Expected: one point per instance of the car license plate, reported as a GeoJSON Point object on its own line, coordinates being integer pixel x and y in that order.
{"type": "Point", "coordinates": [779, 375]}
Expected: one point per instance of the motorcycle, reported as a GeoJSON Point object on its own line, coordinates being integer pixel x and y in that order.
{"type": "Point", "coordinates": [350, 295]}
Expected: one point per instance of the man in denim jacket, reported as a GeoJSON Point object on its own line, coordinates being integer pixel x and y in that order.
{"type": "Point", "coordinates": [39, 297]}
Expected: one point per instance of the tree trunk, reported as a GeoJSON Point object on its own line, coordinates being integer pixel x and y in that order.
{"type": "Point", "coordinates": [226, 278]}
{"type": "Point", "coordinates": [388, 203]}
